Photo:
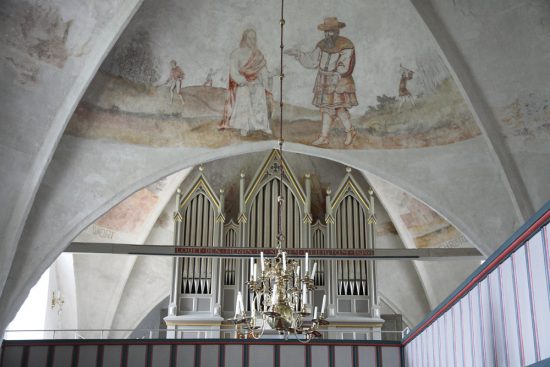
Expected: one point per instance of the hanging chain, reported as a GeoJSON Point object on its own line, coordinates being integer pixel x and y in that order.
{"type": "Point", "coordinates": [280, 200]}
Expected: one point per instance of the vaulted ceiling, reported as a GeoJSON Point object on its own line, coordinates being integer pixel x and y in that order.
{"type": "Point", "coordinates": [86, 121]}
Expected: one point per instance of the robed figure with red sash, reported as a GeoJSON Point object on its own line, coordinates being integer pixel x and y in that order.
{"type": "Point", "coordinates": [246, 103]}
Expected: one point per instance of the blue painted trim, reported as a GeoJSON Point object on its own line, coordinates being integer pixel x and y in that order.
{"type": "Point", "coordinates": [221, 355]}
{"type": "Point", "coordinates": [277, 355]}
{"type": "Point", "coordinates": [245, 355]}
{"type": "Point", "coordinates": [99, 357]}
{"type": "Point", "coordinates": [173, 355]}
{"type": "Point", "coordinates": [378, 357]}
{"type": "Point", "coordinates": [148, 355]}
{"type": "Point", "coordinates": [544, 363]}
{"type": "Point", "coordinates": [488, 262]}
{"type": "Point", "coordinates": [198, 355]}
{"type": "Point", "coordinates": [123, 356]}
{"type": "Point", "coordinates": [50, 357]}
{"type": "Point", "coordinates": [25, 358]}
{"type": "Point", "coordinates": [74, 360]}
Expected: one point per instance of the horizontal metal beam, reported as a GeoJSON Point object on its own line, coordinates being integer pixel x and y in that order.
{"type": "Point", "coordinates": [245, 252]}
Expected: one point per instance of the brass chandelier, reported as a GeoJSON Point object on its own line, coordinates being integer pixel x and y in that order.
{"type": "Point", "coordinates": [279, 297]}
{"type": "Point", "coordinates": [279, 294]}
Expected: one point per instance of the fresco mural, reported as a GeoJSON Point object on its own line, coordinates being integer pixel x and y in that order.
{"type": "Point", "coordinates": [175, 81]}
{"type": "Point", "coordinates": [527, 117]}
{"type": "Point", "coordinates": [249, 89]}
{"type": "Point", "coordinates": [334, 90]}
{"type": "Point", "coordinates": [426, 228]}
{"type": "Point", "coordinates": [131, 220]}
{"type": "Point", "coordinates": [350, 83]}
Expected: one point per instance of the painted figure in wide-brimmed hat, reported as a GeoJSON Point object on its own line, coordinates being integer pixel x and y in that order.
{"type": "Point", "coordinates": [334, 91]}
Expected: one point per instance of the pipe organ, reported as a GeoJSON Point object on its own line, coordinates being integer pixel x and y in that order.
{"type": "Point", "coordinates": [207, 288]}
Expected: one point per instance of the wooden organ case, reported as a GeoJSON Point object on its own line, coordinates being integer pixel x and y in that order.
{"type": "Point", "coordinates": [204, 290]}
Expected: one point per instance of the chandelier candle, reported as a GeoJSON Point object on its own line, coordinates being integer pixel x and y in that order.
{"type": "Point", "coordinates": [262, 266]}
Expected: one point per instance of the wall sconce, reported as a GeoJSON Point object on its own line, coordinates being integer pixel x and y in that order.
{"type": "Point", "coordinates": [57, 300]}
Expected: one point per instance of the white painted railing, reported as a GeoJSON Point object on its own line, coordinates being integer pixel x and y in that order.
{"type": "Point", "coordinates": [170, 334]}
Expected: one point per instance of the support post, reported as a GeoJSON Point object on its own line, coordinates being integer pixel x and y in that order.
{"type": "Point", "coordinates": [332, 285]}
{"type": "Point", "coordinates": [173, 307]}
{"type": "Point", "coordinates": [373, 291]}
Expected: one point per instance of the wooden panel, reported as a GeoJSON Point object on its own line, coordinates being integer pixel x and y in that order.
{"type": "Point", "coordinates": [136, 356]}
{"type": "Point", "coordinates": [366, 356]}
{"type": "Point", "coordinates": [38, 356]}
{"type": "Point", "coordinates": [540, 295]}
{"type": "Point", "coordinates": [87, 355]}
{"type": "Point", "coordinates": [63, 356]}
{"type": "Point", "coordinates": [465, 321]}
{"type": "Point", "coordinates": [112, 355]}
{"type": "Point", "coordinates": [511, 326]}
{"type": "Point", "coordinates": [11, 356]}
{"type": "Point", "coordinates": [343, 356]}
{"type": "Point", "coordinates": [524, 305]}
{"type": "Point", "coordinates": [319, 356]}
{"type": "Point", "coordinates": [185, 356]}
{"type": "Point", "coordinates": [292, 355]}
{"type": "Point", "coordinates": [209, 355]}
{"type": "Point", "coordinates": [458, 331]}
{"type": "Point", "coordinates": [391, 357]}
{"type": "Point", "coordinates": [160, 356]}
{"type": "Point", "coordinates": [261, 355]}
{"type": "Point", "coordinates": [233, 356]}
{"type": "Point", "coordinates": [502, 321]}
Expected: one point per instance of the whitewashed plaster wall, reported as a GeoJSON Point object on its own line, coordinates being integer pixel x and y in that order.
{"type": "Point", "coordinates": [399, 282]}
{"type": "Point", "coordinates": [476, 189]}
{"type": "Point", "coordinates": [41, 84]}
{"type": "Point", "coordinates": [145, 281]}
{"type": "Point", "coordinates": [102, 279]}
{"type": "Point", "coordinates": [438, 278]}
{"type": "Point", "coordinates": [498, 52]}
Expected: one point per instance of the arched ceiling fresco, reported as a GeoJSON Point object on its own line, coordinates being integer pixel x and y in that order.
{"type": "Point", "coordinates": [491, 58]}
{"type": "Point", "coordinates": [167, 80]}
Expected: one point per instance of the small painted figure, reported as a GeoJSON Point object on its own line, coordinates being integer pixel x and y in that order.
{"type": "Point", "coordinates": [175, 81]}
{"type": "Point", "coordinates": [246, 103]}
{"type": "Point", "coordinates": [208, 82]}
{"type": "Point", "coordinates": [404, 94]}
{"type": "Point", "coordinates": [334, 90]}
